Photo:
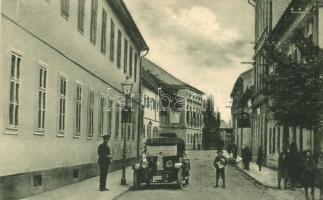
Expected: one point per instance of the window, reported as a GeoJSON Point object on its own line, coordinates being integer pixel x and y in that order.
{"type": "Point", "coordinates": [112, 41]}
{"type": "Point", "coordinates": [278, 139]}
{"type": "Point", "coordinates": [270, 140]}
{"type": "Point", "coordinates": [41, 98]}
{"type": "Point", "coordinates": [101, 116]}
{"type": "Point", "coordinates": [144, 131]}
{"type": "Point", "coordinates": [65, 8]}
{"type": "Point", "coordinates": [78, 110]}
{"type": "Point", "coordinates": [62, 105]}
{"type": "Point", "coordinates": [125, 67]}
{"type": "Point", "coordinates": [149, 131]}
{"type": "Point", "coordinates": [38, 180]}
{"type": "Point", "coordinates": [117, 121]}
{"type": "Point", "coordinates": [94, 10]}
{"type": "Point", "coordinates": [133, 126]}
{"type": "Point", "coordinates": [187, 117]}
{"type": "Point", "coordinates": [75, 173]}
{"type": "Point", "coordinates": [104, 31]}
{"type": "Point", "coordinates": [135, 67]}
{"type": "Point", "coordinates": [80, 15]}
{"type": "Point", "coordinates": [90, 114]}
{"type": "Point", "coordinates": [109, 118]}
{"type": "Point", "coordinates": [130, 61]}
{"type": "Point", "coordinates": [274, 140]}
{"type": "Point", "coordinates": [119, 49]}
{"type": "Point", "coordinates": [14, 90]}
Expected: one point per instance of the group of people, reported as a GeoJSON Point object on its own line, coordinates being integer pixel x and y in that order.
{"type": "Point", "coordinates": [294, 167]}
{"type": "Point", "coordinates": [297, 168]}
{"type": "Point", "coordinates": [233, 154]}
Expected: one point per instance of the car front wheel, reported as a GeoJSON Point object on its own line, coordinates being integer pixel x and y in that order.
{"type": "Point", "coordinates": [180, 179]}
{"type": "Point", "coordinates": [135, 180]}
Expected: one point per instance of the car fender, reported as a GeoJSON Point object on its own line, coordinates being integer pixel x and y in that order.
{"type": "Point", "coordinates": [136, 166]}
{"type": "Point", "coordinates": [178, 165]}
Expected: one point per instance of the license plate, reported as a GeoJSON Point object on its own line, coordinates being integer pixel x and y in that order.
{"type": "Point", "coordinates": [157, 178]}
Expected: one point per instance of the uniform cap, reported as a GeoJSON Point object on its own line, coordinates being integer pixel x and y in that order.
{"type": "Point", "coordinates": [106, 137]}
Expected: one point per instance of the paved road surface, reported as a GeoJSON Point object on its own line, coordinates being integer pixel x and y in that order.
{"type": "Point", "coordinates": [202, 182]}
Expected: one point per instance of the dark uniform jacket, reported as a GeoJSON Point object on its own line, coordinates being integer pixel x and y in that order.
{"type": "Point", "coordinates": [104, 152]}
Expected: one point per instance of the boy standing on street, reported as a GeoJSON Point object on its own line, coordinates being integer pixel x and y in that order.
{"type": "Point", "coordinates": [219, 164]}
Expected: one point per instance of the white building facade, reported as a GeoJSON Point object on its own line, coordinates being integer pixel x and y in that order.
{"type": "Point", "coordinates": [150, 104]}
{"type": "Point", "coordinates": [62, 63]}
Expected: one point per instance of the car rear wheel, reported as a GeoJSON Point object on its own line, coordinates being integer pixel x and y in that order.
{"type": "Point", "coordinates": [135, 180]}
{"type": "Point", "coordinates": [187, 181]}
{"type": "Point", "coordinates": [180, 179]}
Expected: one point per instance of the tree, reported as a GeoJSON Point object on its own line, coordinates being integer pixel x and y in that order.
{"type": "Point", "coordinates": [210, 130]}
{"type": "Point", "coordinates": [295, 85]}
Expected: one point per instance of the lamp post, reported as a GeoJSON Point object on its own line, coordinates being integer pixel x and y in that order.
{"type": "Point", "coordinates": [126, 90]}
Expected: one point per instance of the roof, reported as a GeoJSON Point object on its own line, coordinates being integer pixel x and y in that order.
{"type": "Point", "coordinates": [247, 80]}
{"type": "Point", "coordinates": [149, 81]}
{"type": "Point", "coordinates": [166, 77]}
{"type": "Point", "coordinates": [131, 28]}
{"type": "Point", "coordinates": [224, 125]}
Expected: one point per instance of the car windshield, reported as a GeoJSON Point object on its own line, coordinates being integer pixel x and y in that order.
{"type": "Point", "coordinates": [169, 150]}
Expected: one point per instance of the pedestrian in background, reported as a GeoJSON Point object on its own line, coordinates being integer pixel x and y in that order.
{"type": "Point", "coordinates": [229, 149]}
{"type": "Point", "coordinates": [104, 162]}
{"type": "Point", "coordinates": [246, 157]}
{"type": "Point", "coordinates": [260, 157]}
{"type": "Point", "coordinates": [283, 167]}
{"type": "Point", "coordinates": [309, 174]}
{"type": "Point", "coordinates": [219, 164]}
{"type": "Point", "coordinates": [234, 154]}
{"type": "Point", "coordinates": [293, 164]}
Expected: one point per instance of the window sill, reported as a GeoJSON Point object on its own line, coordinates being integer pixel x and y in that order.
{"type": "Point", "coordinates": [76, 136]}
{"type": "Point", "coordinates": [13, 128]}
{"type": "Point", "coordinates": [89, 138]}
{"type": "Point", "coordinates": [64, 16]}
{"type": "Point", "coordinates": [80, 31]}
{"type": "Point", "coordinates": [11, 131]}
{"type": "Point", "coordinates": [92, 42]}
{"type": "Point", "coordinates": [60, 134]}
{"type": "Point", "coordinates": [39, 132]}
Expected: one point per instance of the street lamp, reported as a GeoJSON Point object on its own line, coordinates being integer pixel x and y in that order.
{"type": "Point", "coordinates": [126, 117]}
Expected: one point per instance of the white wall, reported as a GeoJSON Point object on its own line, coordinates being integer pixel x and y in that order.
{"type": "Point", "coordinates": [52, 39]}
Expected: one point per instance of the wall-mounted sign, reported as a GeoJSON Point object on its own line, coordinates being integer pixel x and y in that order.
{"type": "Point", "coordinates": [243, 120]}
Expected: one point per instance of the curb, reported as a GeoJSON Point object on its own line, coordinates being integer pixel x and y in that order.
{"type": "Point", "coordinates": [122, 193]}
{"type": "Point", "coordinates": [254, 179]}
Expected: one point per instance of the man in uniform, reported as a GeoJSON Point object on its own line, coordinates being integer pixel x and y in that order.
{"type": "Point", "coordinates": [104, 161]}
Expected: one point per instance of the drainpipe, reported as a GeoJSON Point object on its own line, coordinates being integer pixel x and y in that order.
{"type": "Point", "coordinates": [140, 113]}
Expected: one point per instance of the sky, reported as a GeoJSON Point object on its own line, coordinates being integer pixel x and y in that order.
{"type": "Point", "coordinates": [201, 42]}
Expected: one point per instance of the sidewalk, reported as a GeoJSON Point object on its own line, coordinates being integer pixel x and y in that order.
{"type": "Point", "coordinates": [89, 189]}
{"type": "Point", "coordinates": [267, 178]}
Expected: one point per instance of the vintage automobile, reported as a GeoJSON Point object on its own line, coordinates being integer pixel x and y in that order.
{"type": "Point", "coordinates": [163, 161]}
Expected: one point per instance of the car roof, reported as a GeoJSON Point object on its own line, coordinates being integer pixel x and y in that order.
{"type": "Point", "coordinates": [164, 141]}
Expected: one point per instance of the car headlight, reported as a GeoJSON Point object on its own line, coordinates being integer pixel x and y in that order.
{"type": "Point", "coordinates": [178, 165]}
{"type": "Point", "coordinates": [136, 166]}
{"type": "Point", "coordinates": [144, 164]}
{"type": "Point", "coordinates": [169, 164]}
